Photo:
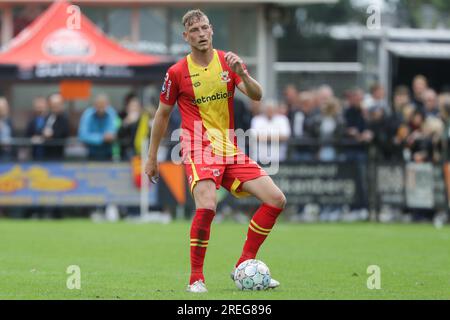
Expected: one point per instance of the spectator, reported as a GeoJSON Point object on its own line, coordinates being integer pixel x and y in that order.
{"type": "Point", "coordinates": [98, 129]}
{"type": "Point", "coordinates": [128, 128]}
{"type": "Point", "coordinates": [304, 122]}
{"type": "Point", "coordinates": [384, 128]}
{"type": "Point", "coordinates": [126, 100]}
{"type": "Point", "coordinates": [329, 129]}
{"type": "Point", "coordinates": [291, 99]}
{"type": "Point", "coordinates": [420, 147]}
{"type": "Point", "coordinates": [6, 131]}
{"type": "Point", "coordinates": [434, 129]}
{"type": "Point", "coordinates": [56, 129]}
{"type": "Point", "coordinates": [430, 103]}
{"type": "Point", "coordinates": [357, 130]}
{"type": "Point", "coordinates": [135, 128]}
{"type": "Point", "coordinates": [311, 110]}
{"type": "Point", "coordinates": [396, 126]}
{"type": "Point", "coordinates": [36, 126]}
{"type": "Point", "coordinates": [270, 127]}
{"type": "Point", "coordinates": [357, 127]}
{"type": "Point", "coordinates": [382, 122]}
{"type": "Point", "coordinates": [377, 100]}
{"type": "Point", "coordinates": [419, 86]}
{"type": "Point", "coordinates": [324, 94]}
{"type": "Point", "coordinates": [401, 101]}
{"type": "Point", "coordinates": [419, 143]}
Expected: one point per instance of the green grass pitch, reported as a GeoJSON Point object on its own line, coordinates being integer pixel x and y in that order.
{"type": "Point", "coordinates": [151, 261]}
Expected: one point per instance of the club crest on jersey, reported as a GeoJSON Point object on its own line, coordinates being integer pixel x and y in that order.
{"type": "Point", "coordinates": [216, 172]}
{"type": "Point", "coordinates": [224, 76]}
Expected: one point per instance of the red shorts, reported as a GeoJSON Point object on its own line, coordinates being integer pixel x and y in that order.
{"type": "Point", "coordinates": [230, 175]}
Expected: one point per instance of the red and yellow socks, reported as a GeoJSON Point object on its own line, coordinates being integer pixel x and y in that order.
{"type": "Point", "coordinates": [200, 230]}
{"type": "Point", "coordinates": [258, 230]}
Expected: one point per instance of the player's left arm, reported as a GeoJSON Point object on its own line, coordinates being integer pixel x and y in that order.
{"type": "Point", "coordinates": [248, 86]}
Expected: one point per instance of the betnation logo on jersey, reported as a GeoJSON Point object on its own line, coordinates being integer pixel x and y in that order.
{"type": "Point", "coordinates": [214, 97]}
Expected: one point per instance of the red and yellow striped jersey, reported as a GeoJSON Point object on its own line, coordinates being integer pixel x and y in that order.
{"type": "Point", "coordinates": [205, 99]}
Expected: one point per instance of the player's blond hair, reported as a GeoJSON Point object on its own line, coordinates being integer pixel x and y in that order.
{"type": "Point", "coordinates": [192, 16]}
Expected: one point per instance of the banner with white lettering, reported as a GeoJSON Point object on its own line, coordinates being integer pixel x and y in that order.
{"type": "Point", "coordinates": [320, 183]}
{"type": "Point", "coordinates": [390, 185]}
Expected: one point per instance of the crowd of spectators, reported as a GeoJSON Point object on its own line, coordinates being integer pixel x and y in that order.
{"type": "Point", "coordinates": [309, 125]}
{"type": "Point", "coordinates": [414, 126]}
{"type": "Point", "coordinates": [106, 133]}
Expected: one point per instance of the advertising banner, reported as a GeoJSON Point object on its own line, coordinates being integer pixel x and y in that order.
{"type": "Point", "coordinates": [420, 185]}
{"type": "Point", "coordinates": [321, 183]}
{"type": "Point", "coordinates": [70, 184]}
{"type": "Point", "coordinates": [390, 184]}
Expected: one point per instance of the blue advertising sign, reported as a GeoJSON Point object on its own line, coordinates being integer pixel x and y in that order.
{"type": "Point", "coordinates": [70, 184]}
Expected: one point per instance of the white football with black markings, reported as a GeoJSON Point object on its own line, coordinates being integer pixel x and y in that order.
{"type": "Point", "coordinates": [252, 275]}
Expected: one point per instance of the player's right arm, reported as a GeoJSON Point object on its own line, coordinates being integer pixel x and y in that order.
{"type": "Point", "coordinates": [159, 128]}
{"type": "Point", "coordinates": [167, 99]}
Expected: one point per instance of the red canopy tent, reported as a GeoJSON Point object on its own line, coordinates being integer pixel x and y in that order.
{"type": "Point", "coordinates": [58, 46]}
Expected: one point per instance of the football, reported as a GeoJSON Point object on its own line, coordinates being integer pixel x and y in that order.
{"type": "Point", "coordinates": [252, 275]}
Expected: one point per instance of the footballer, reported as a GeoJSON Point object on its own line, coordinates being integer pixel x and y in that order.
{"type": "Point", "coordinates": [203, 84]}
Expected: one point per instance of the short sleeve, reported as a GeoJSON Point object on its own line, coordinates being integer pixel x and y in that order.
{"type": "Point", "coordinates": [169, 90]}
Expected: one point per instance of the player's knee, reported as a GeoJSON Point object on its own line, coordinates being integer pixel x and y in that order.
{"type": "Point", "coordinates": [207, 204]}
{"type": "Point", "coordinates": [282, 200]}
{"type": "Point", "coordinates": [205, 195]}
{"type": "Point", "coordinates": [206, 199]}
{"type": "Point", "coordinates": [278, 200]}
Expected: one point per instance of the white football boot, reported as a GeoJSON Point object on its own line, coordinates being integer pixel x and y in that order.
{"type": "Point", "coordinates": [197, 287]}
{"type": "Point", "coordinates": [272, 285]}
